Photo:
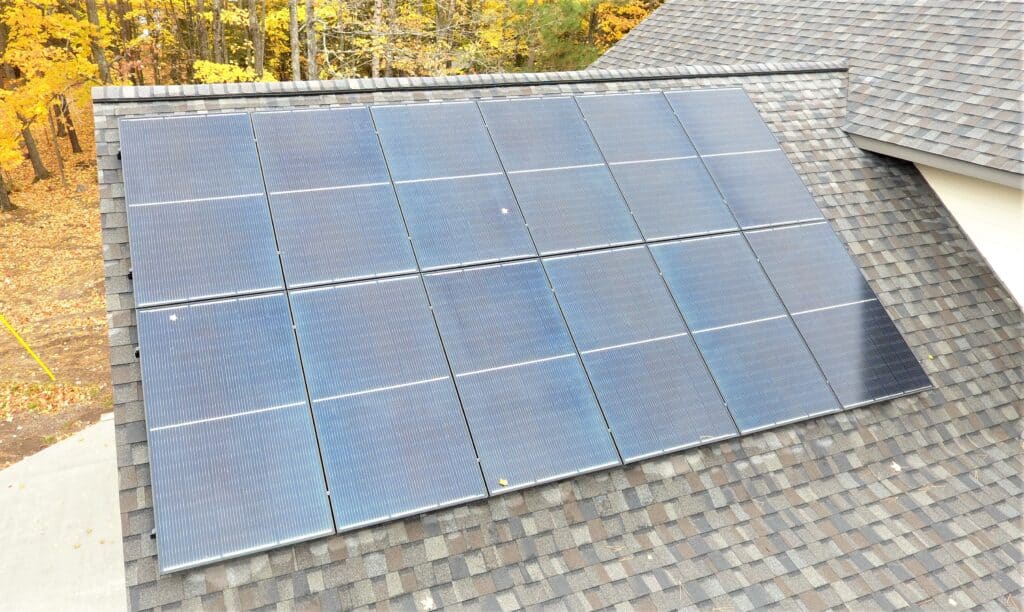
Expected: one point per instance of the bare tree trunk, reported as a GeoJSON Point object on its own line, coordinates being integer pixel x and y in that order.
{"type": "Point", "coordinates": [378, 8]}
{"type": "Point", "coordinates": [56, 149]}
{"type": "Point", "coordinates": [293, 29]}
{"type": "Point", "coordinates": [94, 41]}
{"type": "Point", "coordinates": [202, 39]}
{"type": "Point", "coordinates": [256, 35]}
{"type": "Point", "coordinates": [219, 52]}
{"type": "Point", "coordinates": [61, 131]}
{"type": "Point", "coordinates": [5, 195]}
{"type": "Point", "coordinates": [389, 48]}
{"type": "Point", "coordinates": [33, 151]}
{"type": "Point", "coordinates": [65, 113]}
{"type": "Point", "coordinates": [312, 73]}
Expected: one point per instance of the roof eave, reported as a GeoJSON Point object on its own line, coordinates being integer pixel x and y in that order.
{"type": "Point", "coordinates": [918, 156]}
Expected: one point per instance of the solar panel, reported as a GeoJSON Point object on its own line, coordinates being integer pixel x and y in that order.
{"type": "Point", "coordinates": [649, 377]}
{"type": "Point", "coordinates": [202, 249]}
{"type": "Point", "coordinates": [341, 234]}
{"type": "Point", "coordinates": [721, 121]}
{"type": "Point", "coordinates": [716, 281]}
{"type": "Point", "coordinates": [530, 408]}
{"type": "Point", "coordinates": [537, 133]}
{"type": "Point", "coordinates": [194, 157]}
{"type": "Point", "coordinates": [384, 402]}
{"type": "Point", "coordinates": [574, 209]}
{"type": "Point", "coordinates": [486, 296]}
{"type": "Point", "coordinates": [632, 127]}
{"type": "Point", "coordinates": [762, 189]}
{"type": "Point", "coordinates": [234, 465]}
{"type": "Point", "coordinates": [673, 198]}
{"type": "Point", "coordinates": [809, 266]}
{"type": "Point", "coordinates": [861, 352]}
{"type": "Point", "coordinates": [316, 149]}
{"type": "Point", "coordinates": [428, 141]}
{"type": "Point", "coordinates": [766, 373]}
{"type": "Point", "coordinates": [464, 221]}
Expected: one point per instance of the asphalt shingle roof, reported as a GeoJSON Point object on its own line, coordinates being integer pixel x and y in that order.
{"type": "Point", "coordinates": [914, 501]}
{"type": "Point", "coordinates": [940, 76]}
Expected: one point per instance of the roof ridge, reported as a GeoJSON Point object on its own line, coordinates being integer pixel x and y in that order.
{"type": "Point", "coordinates": [154, 93]}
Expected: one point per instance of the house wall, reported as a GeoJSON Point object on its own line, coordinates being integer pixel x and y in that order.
{"type": "Point", "coordinates": [993, 217]}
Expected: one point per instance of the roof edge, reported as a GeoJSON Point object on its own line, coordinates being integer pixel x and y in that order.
{"type": "Point", "coordinates": [951, 164]}
{"type": "Point", "coordinates": [161, 93]}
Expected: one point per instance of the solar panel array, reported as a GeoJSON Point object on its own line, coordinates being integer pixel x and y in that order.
{"type": "Point", "coordinates": [349, 315]}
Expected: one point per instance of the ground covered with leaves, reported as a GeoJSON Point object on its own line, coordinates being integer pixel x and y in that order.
{"type": "Point", "coordinates": [51, 291]}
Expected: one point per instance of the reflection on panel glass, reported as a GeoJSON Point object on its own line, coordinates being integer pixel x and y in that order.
{"type": "Point", "coordinates": [530, 407]}
{"type": "Point", "coordinates": [385, 405]}
{"type": "Point", "coordinates": [651, 382]}
{"type": "Point", "coordinates": [214, 359]}
{"type": "Point", "coordinates": [464, 221]}
{"type": "Point", "coordinates": [540, 133]}
{"type": "Point", "coordinates": [341, 234]}
{"type": "Point", "coordinates": [202, 249]}
{"type": "Point", "coordinates": [809, 267]}
{"type": "Point", "coordinates": [635, 127]}
{"type": "Point", "coordinates": [425, 141]}
{"type": "Point", "coordinates": [861, 352]}
{"type": "Point", "coordinates": [314, 149]}
{"type": "Point", "coordinates": [716, 281]}
{"type": "Point", "coordinates": [765, 373]}
{"type": "Point", "coordinates": [762, 189]}
{"type": "Point", "coordinates": [193, 157]}
{"type": "Point", "coordinates": [573, 209]}
{"type": "Point", "coordinates": [721, 121]}
{"type": "Point", "coordinates": [232, 451]}
{"type": "Point", "coordinates": [674, 198]}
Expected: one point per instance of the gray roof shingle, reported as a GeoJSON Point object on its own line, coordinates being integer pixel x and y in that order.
{"type": "Point", "coordinates": [913, 502]}
{"type": "Point", "coordinates": [943, 77]}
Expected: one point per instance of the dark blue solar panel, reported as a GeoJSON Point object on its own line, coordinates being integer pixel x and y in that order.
{"type": "Point", "coordinates": [189, 158]}
{"type": "Point", "coordinates": [540, 133]}
{"type": "Point", "coordinates": [214, 359]}
{"type": "Point", "coordinates": [716, 281]}
{"type": "Point", "coordinates": [209, 248]}
{"type": "Point", "coordinates": [721, 121]}
{"type": "Point", "coordinates": [385, 405]}
{"type": "Point", "coordinates": [674, 198]}
{"type": "Point", "coordinates": [574, 209]}
{"type": "Point", "coordinates": [809, 266]}
{"type": "Point", "coordinates": [861, 351]}
{"type": "Point", "coordinates": [649, 378]}
{"type": "Point", "coordinates": [531, 411]}
{"type": "Point", "coordinates": [613, 297]}
{"type": "Point", "coordinates": [233, 455]}
{"type": "Point", "coordinates": [463, 221]}
{"type": "Point", "coordinates": [311, 149]}
{"type": "Point", "coordinates": [233, 486]}
{"type": "Point", "coordinates": [762, 189]}
{"type": "Point", "coordinates": [423, 141]}
{"type": "Point", "coordinates": [535, 422]}
{"type": "Point", "coordinates": [497, 315]}
{"type": "Point", "coordinates": [658, 397]}
{"type": "Point", "coordinates": [341, 234]}
{"type": "Point", "coordinates": [631, 127]}
{"type": "Point", "coordinates": [766, 373]}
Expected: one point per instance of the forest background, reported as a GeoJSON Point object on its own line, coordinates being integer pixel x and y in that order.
{"type": "Point", "coordinates": [53, 51]}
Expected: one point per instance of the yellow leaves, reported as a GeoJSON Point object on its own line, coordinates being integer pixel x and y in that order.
{"type": "Point", "coordinates": [43, 398]}
{"type": "Point", "coordinates": [616, 19]}
{"type": "Point", "coordinates": [212, 72]}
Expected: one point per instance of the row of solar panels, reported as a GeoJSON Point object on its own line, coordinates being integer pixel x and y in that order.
{"type": "Point", "coordinates": [420, 390]}
{"type": "Point", "coordinates": [580, 173]}
{"type": "Point", "coordinates": [225, 392]}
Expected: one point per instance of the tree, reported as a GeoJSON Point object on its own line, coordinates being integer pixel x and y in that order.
{"type": "Point", "coordinates": [99, 56]}
{"type": "Point", "coordinates": [293, 39]}
{"type": "Point", "coordinates": [312, 73]}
